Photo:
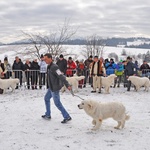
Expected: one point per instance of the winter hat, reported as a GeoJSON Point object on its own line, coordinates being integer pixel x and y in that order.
{"type": "Point", "coordinates": [42, 56]}
{"type": "Point", "coordinates": [95, 56]}
{"type": "Point", "coordinates": [91, 56]}
{"type": "Point", "coordinates": [111, 59]}
{"type": "Point", "coordinates": [70, 58]}
{"type": "Point", "coordinates": [61, 56]}
{"type": "Point", "coordinates": [5, 59]}
{"type": "Point", "coordinates": [128, 57]}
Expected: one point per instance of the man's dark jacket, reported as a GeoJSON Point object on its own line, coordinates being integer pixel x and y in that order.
{"type": "Point", "coordinates": [55, 79]}
{"type": "Point", "coordinates": [62, 65]}
{"type": "Point", "coordinates": [129, 69]}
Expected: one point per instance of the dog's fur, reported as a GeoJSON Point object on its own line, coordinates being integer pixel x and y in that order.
{"type": "Point", "coordinates": [107, 82]}
{"type": "Point", "coordinates": [6, 83]}
{"type": "Point", "coordinates": [101, 111]}
{"type": "Point", "coordinates": [74, 82]}
{"type": "Point", "coordinates": [139, 82]}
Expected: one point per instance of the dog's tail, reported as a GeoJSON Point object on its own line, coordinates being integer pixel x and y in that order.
{"type": "Point", "coordinates": [78, 78]}
{"type": "Point", "coordinates": [127, 117]}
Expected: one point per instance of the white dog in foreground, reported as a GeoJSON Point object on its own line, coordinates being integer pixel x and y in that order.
{"type": "Point", "coordinates": [139, 82]}
{"type": "Point", "coordinates": [74, 82]}
{"type": "Point", "coordinates": [100, 111]}
{"type": "Point", "coordinates": [6, 83]}
{"type": "Point", "coordinates": [107, 82]}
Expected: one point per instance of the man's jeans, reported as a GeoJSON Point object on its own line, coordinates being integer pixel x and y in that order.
{"type": "Point", "coordinates": [57, 102]}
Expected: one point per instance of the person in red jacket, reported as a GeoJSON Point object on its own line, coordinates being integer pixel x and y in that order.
{"type": "Point", "coordinates": [71, 66]}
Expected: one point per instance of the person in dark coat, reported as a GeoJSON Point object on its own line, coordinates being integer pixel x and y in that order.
{"type": "Point", "coordinates": [145, 68]}
{"type": "Point", "coordinates": [62, 64]}
{"type": "Point", "coordinates": [129, 71]}
{"type": "Point", "coordinates": [27, 68]}
{"type": "Point", "coordinates": [87, 64]}
{"type": "Point", "coordinates": [35, 68]}
{"type": "Point", "coordinates": [2, 69]}
{"type": "Point", "coordinates": [18, 67]}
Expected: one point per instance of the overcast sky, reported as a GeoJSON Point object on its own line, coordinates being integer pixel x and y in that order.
{"type": "Point", "coordinates": [107, 18]}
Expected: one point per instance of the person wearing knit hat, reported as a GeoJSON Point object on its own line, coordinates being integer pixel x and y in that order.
{"type": "Point", "coordinates": [62, 64]}
{"type": "Point", "coordinates": [110, 67]}
{"type": "Point", "coordinates": [42, 56]}
{"type": "Point", "coordinates": [18, 67]}
{"type": "Point", "coordinates": [61, 56]}
{"type": "Point", "coordinates": [8, 68]}
{"type": "Point", "coordinates": [129, 71]}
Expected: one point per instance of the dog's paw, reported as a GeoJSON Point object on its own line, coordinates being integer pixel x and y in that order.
{"type": "Point", "coordinates": [94, 129]}
{"type": "Point", "coordinates": [94, 122]}
{"type": "Point", "coordinates": [116, 128]}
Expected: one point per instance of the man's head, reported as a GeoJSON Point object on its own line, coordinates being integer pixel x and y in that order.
{"type": "Point", "coordinates": [42, 57]}
{"type": "Point", "coordinates": [124, 62]}
{"type": "Point", "coordinates": [48, 58]}
{"type": "Point", "coordinates": [95, 58]}
{"type": "Point", "coordinates": [35, 59]}
{"type": "Point", "coordinates": [90, 57]}
{"type": "Point", "coordinates": [17, 59]}
{"type": "Point", "coordinates": [70, 59]}
{"type": "Point", "coordinates": [129, 58]}
{"type": "Point", "coordinates": [145, 62]}
{"type": "Point", "coordinates": [61, 56]}
{"type": "Point", "coordinates": [101, 59]}
{"type": "Point", "coordinates": [27, 61]}
{"type": "Point", "coordinates": [111, 60]}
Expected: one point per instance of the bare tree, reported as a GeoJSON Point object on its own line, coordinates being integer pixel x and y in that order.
{"type": "Point", "coordinates": [53, 42]}
{"type": "Point", "coordinates": [34, 49]}
{"type": "Point", "coordinates": [94, 46]}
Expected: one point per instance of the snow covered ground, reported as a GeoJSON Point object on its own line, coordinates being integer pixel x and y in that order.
{"type": "Point", "coordinates": [12, 50]}
{"type": "Point", "coordinates": [22, 128]}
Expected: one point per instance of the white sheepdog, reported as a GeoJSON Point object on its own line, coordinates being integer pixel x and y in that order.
{"type": "Point", "coordinates": [101, 111]}
{"type": "Point", "coordinates": [6, 83]}
{"type": "Point", "coordinates": [107, 82]}
{"type": "Point", "coordinates": [139, 82]}
{"type": "Point", "coordinates": [74, 82]}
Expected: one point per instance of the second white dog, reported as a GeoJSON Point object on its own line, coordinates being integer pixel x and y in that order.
{"type": "Point", "coordinates": [139, 82]}
{"type": "Point", "coordinates": [6, 83]}
{"type": "Point", "coordinates": [107, 82]}
{"type": "Point", "coordinates": [74, 82]}
{"type": "Point", "coordinates": [101, 111]}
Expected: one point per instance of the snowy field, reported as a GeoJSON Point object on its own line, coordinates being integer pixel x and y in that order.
{"type": "Point", "coordinates": [16, 50]}
{"type": "Point", "coordinates": [22, 128]}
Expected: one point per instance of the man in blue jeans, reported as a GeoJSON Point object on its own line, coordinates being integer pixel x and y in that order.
{"type": "Point", "coordinates": [55, 80]}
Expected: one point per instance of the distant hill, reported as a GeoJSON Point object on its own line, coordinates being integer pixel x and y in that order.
{"type": "Point", "coordinates": [139, 42]}
{"type": "Point", "coordinates": [1, 43]}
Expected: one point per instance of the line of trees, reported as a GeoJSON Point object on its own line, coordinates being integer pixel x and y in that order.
{"type": "Point", "coordinates": [53, 42]}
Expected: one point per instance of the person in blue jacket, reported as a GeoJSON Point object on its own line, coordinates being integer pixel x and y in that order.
{"type": "Point", "coordinates": [110, 67]}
